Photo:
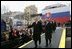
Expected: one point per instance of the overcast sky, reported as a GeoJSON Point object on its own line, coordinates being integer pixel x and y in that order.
{"type": "Point", "coordinates": [20, 5]}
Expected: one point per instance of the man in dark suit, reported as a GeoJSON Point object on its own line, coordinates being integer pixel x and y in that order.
{"type": "Point", "coordinates": [37, 29]}
{"type": "Point", "coordinates": [48, 33]}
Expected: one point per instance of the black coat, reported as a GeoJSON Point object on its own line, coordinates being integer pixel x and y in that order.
{"type": "Point", "coordinates": [54, 26]}
{"type": "Point", "coordinates": [37, 29]}
{"type": "Point", "coordinates": [48, 33]}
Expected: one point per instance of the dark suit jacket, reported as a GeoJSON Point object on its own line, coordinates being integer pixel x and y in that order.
{"type": "Point", "coordinates": [37, 29]}
{"type": "Point", "coordinates": [48, 33]}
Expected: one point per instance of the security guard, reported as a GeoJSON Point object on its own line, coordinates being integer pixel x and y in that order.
{"type": "Point", "coordinates": [48, 33]}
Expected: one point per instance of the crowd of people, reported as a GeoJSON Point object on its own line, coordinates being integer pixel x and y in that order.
{"type": "Point", "coordinates": [14, 36]}
{"type": "Point", "coordinates": [22, 35]}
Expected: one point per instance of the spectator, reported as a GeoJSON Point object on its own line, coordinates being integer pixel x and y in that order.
{"type": "Point", "coordinates": [10, 34]}
{"type": "Point", "coordinates": [14, 34]}
{"type": "Point", "coordinates": [5, 36]}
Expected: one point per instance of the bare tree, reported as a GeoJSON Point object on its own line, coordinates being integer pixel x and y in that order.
{"type": "Point", "coordinates": [4, 9]}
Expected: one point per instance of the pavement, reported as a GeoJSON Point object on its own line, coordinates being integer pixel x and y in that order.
{"type": "Point", "coordinates": [54, 44]}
